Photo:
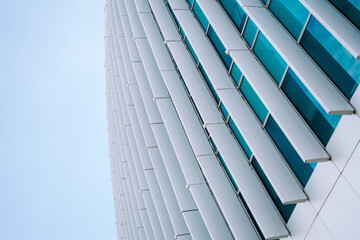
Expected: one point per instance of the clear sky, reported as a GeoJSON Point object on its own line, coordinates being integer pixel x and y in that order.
{"type": "Point", "coordinates": [54, 166]}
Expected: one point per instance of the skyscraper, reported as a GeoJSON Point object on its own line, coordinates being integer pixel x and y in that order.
{"type": "Point", "coordinates": [234, 119]}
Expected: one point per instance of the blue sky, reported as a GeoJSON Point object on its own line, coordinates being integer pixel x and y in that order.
{"type": "Point", "coordinates": [54, 165]}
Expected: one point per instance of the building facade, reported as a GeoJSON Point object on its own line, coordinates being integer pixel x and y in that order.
{"type": "Point", "coordinates": [234, 119]}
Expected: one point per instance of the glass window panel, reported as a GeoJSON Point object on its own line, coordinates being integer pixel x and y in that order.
{"type": "Point", "coordinates": [291, 13]}
{"type": "Point", "coordinates": [285, 210]}
{"type": "Point", "coordinates": [219, 47]}
{"type": "Point", "coordinates": [200, 16]}
{"type": "Point", "coordinates": [249, 32]}
{"type": "Point", "coordinates": [350, 9]}
{"type": "Point", "coordinates": [182, 33]}
{"type": "Point", "coordinates": [190, 2]}
{"type": "Point", "coordinates": [235, 12]}
{"type": "Point", "coordinates": [235, 73]}
{"type": "Point", "coordinates": [265, 1]}
{"type": "Point", "coordinates": [183, 82]}
{"type": "Point", "coordinates": [191, 50]}
{"type": "Point", "coordinates": [228, 172]}
{"type": "Point", "coordinates": [320, 122]}
{"type": "Point", "coordinates": [301, 170]}
{"type": "Point", "coordinates": [173, 15]}
{"type": "Point", "coordinates": [224, 165]}
{"type": "Point", "coordinates": [355, 3]}
{"type": "Point", "coordinates": [341, 67]}
{"type": "Point", "coordinates": [240, 138]}
{"type": "Point", "coordinates": [212, 89]}
{"type": "Point", "coordinates": [253, 100]}
{"type": "Point", "coordinates": [269, 57]}
{"type": "Point", "coordinates": [224, 111]}
{"type": "Point", "coordinates": [213, 144]}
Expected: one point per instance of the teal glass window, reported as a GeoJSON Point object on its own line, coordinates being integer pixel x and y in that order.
{"type": "Point", "coordinates": [191, 51]}
{"type": "Point", "coordinates": [291, 13]}
{"type": "Point", "coordinates": [173, 15]}
{"type": "Point", "coordinates": [301, 170]}
{"type": "Point", "coordinates": [350, 9]}
{"type": "Point", "coordinates": [249, 32]}
{"type": "Point", "coordinates": [182, 33]}
{"type": "Point", "coordinates": [320, 122]}
{"type": "Point", "coordinates": [224, 111]}
{"type": "Point", "coordinates": [270, 58]}
{"type": "Point", "coordinates": [235, 12]}
{"type": "Point", "coordinates": [240, 138]}
{"type": "Point", "coordinates": [200, 16]}
{"type": "Point", "coordinates": [235, 73]}
{"type": "Point", "coordinates": [265, 1]}
{"type": "Point", "coordinates": [253, 100]}
{"type": "Point", "coordinates": [211, 87]}
{"type": "Point", "coordinates": [190, 2]}
{"type": "Point", "coordinates": [228, 172]}
{"type": "Point", "coordinates": [213, 144]}
{"type": "Point", "coordinates": [224, 165]}
{"type": "Point", "coordinates": [285, 210]}
{"type": "Point", "coordinates": [184, 84]}
{"type": "Point", "coordinates": [341, 67]}
{"type": "Point", "coordinates": [219, 47]}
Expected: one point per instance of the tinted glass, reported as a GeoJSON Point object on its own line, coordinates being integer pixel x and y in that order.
{"type": "Point", "coordinates": [235, 73]}
{"type": "Point", "coordinates": [269, 57]}
{"type": "Point", "coordinates": [219, 47]}
{"type": "Point", "coordinates": [350, 9]}
{"type": "Point", "coordinates": [207, 80]}
{"type": "Point", "coordinates": [341, 67]}
{"type": "Point", "coordinates": [190, 2]}
{"type": "Point", "coordinates": [224, 165]}
{"type": "Point", "coordinates": [249, 32]}
{"type": "Point", "coordinates": [173, 15]}
{"type": "Point", "coordinates": [291, 13]}
{"type": "Point", "coordinates": [224, 111]}
{"type": "Point", "coordinates": [320, 122]}
{"type": "Point", "coordinates": [240, 138]}
{"type": "Point", "coordinates": [285, 210]}
{"type": "Point", "coordinates": [301, 170]}
{"type": "Point", "coordinates": [253, 100]}
{"type": "Point", "coordinates": [191, 50]}
{"type": "Point", "coordinates": [200, 16]}
{"type": "Point", "coordinates": [235, 12]}
{"type": "Point", "coordinates": [228, 172]}
{"type": "Point", "coordinates": [182, 33]}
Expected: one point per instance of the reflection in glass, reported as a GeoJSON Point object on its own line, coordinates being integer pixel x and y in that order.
{"type": "Point", "coordinates": [190, 2]}
{"type": "Point", "coordinates": [320, 122]}
{"type": "Point", "coordinates": [219, 47]}
{"type": "Point", "coordinates": [235, 73]}
{"type": "Point", "coordinates": [269, 57]}
{"type": "Point", "coordinates": [350, 9]}
{"type": "Point", "coordinates": [301, 170]}
{"type": "Point", "coordinates": [249, 32]}
{"type": "Point", "coordinates": [200, 16]}
{"type": "Point", "coordinates": [228, 172]}
{"type": "Point", "coordinates": [240, 138]}
{"type": "Point", "coordinates": [207, 80]}
{"type": "Point", "coordinates": [253, 100]}
{"type": "Point", "coordinates": [341, 67]}
{"type": "Point", "coordinates": [291, 13]}
{"type": "Point", "coordinates": [224, 111]}
{"type": "Point", "coordinates": [235, 12]}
